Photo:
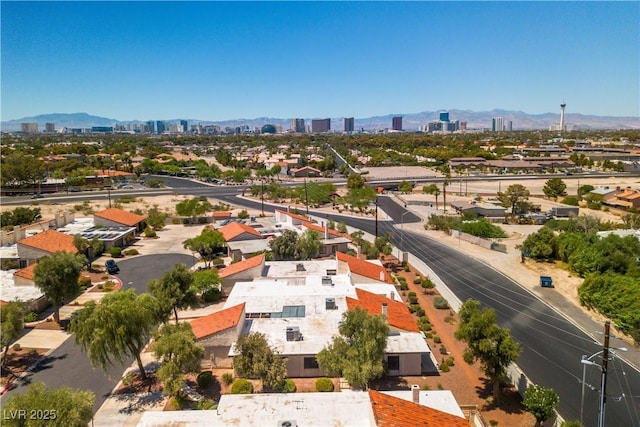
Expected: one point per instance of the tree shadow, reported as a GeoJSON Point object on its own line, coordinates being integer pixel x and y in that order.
{"type": "Point", "coordinates": [389, 383]}
{"type": "Point", "coordinates": [510, 401]}
{"type": "Point", "coordinates": [138, 402]}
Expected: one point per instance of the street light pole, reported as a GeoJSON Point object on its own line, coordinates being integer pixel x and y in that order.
{"type": "Point", "coordinates": [402, 231]}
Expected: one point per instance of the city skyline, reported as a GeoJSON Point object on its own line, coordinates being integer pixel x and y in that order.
{"type": "Point", "coordinates": [150, 60]}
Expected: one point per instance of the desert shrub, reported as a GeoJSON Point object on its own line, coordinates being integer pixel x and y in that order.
{"type": "Point", "coordinates": [444, 367]}
{"type": "Point", "coordinates": [324, 384]}
{"type": "Point", "coordinates": [30, 317]}
{"type": "Point", "coordinates": [16, 347]}
{"type": "Point", "coordinates": [9, 264]}
{"type": "Point", "coordinates": [149, 232]}
{"type": "Point", "coordinates": [242, 386]}
{"type": "Point", "coordinates": [440, 303]}
{"type": "Point", "coordinates": [437, 340]}
{"type": "Point", "coordinates": [427, 283]}
{"type": "Point", "coordinates": [115, 252]}
{"type": "Point", "coordinates": [402, 280]}
{"type": "Point", "coordinates": [243, 214]}
{"type": "Point", "coordinates": [289, 386]}
{"type": "Point", "coordinates": [404, 287]}
{"type": "Point", "coordinates": [128, 378]}
{"type": "Point", "coordinates": [205, 405]}
{"type": "Point", "coordinates": [217, 261]}
{"type": "Point", "coordinates": [429, 335]}
{"type": "Point", "coordinates": [412, 299]}
{"type": "Point", "coordinates": [227, 378]}
{"type": "Point", "coordinates": [204, 379]}
{"type": "Point", "coordinates": [571, 200]}
{"type": "Point", "coordinates": [212, 295]}
{"type": "Point", "coordinates": [84, 282]}
{"type": "Point", "coordinates": [420, 312]}
{"type": "Point", "coordinates": [412, 308]}
{"type": "Point", "coordinates": [131, 252]}
{"type": "Point", "coordinates": [412, 294]}
{"type": "Point", "coordinates": [450, 361]}
{"type": "Point", "coordinates": [424, 319]}
{"type": "Point", "coordinates": [443, 350]}
{"type": "Point", "coordinates": [425, 326]}
{"type": "Point", "coordinates": [109, 286]}
{"type": "Point", "coordinates": [417, 281]}
{"type": "Point", "coordinates": [407, 268]}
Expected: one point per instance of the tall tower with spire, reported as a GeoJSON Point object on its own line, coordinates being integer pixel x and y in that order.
{"type": "Point", "coordinates": [562, 106]}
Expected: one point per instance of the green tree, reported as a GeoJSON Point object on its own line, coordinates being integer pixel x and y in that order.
{"type": "Point", "coordinates": [156, 218]}
{"type": "Point", "coordinates": [432, 189]}
{"type": "Point", "coordinates": [355, 180]}
{"type": "Point", "coordinates": [205, 280]}
{"type": "Point", "coordinates": [57, 277]}
{"type": "Point", "coordinates": [585, 189]}
{"type": "Point", "coordinates": [308, 245]}
{"type": "Point", "coordinates": [207, 244]}
{"type": "Point", "coordinates": [117, 328]}
{"type": "Point", "coordinates": [487, 342]}
{"type": "Point", "coordinates": [97, 247]}
{"type": "Point", "coordinates": [81, 244]}
{"type": "Point", "coordinates": [283, 247]}
{"type": "Point", "coordinates": [64, 406]}
{"type": "Point", "coordinates": [174, 292]}
{"type": "Point", "coordinates": [515, 196]}
{"type": "Point", "coordinates": [540, 402]}
{"type": "Point", "coordinates": [193, 208]}
{"type": "Point", "coordinates": [554, 188]}
{"type": "Point", "coordinates": [12, 325]}
{"type": "Point", "coordinates": [255, 358]}
{"type": "Point", "coordinates": [175, 346]}
{"type": "Point", "coordinates": [405, 187]}
{"type": "Point", "coordinates": [540, 245]}
{"type": "Point", "coordinates": [357, 354]}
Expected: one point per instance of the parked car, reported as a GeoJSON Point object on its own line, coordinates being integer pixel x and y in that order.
{"type": "Point", "coordinates": [111, 266]}
{"type": "Point", "coordinates": [37, 196]}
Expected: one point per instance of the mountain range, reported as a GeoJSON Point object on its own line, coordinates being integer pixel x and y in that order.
{"type": "Point", "coordinates": [411, 121]}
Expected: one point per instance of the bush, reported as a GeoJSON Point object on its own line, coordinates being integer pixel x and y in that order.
{"type": "Point", "coordinates": [450, 361]}
{"type": "Point", "coordinates": [324, 385]}
{"type": "Point", "coordinates": [571, 200]}
{"type": "Point", "coordinates": [84, 282]}
{"type": "Point", "coordinates": [412, 294]}
{"type": "Point", "coordinates": [227, 378]}
{"type": "Point", "coordinates": [440, 303]}
{"type": "Point", "coordinates": [9, 264]}
{"type": "Point", "coordinates": [420, 312]}
{"type": "Point", "coordinates": [404, 287]}
{"type": "Point", "coordinates": [115, 252]}
{"type": "Point", "coordinates": [204, 379]}
{"type": "Point", "coordinates": [289, 386]}
{"type": "Point", "coordinates": [437, 340]}
{"type": "Point", "coordinates": [16, 347]}
{"type": "Point", "coordinates": [407, 268]}
{"type": "Point", "coordinates": [412, 299]}
{"type": "Point", "coordinates": [242, 386]}
{"type": "Point", "coordinates": [149, 232]}
{"type": "Point", "coordinates": [30, 317]}
{"type": "Point", "coordinates": [212, 295]}
{"type": "Point", "coordinates": [206, 405]}
{"type": "Point", "coordinates": [417, 281]}
{"type": "Point", "coordinates": [444, 367]}
{"type": "Point", "coordinates": [243, 214]}
{"type": "Point", "coordinates": [129, 252]}
{"type": "Point", "coordinates": [217, 261]}
{"type": "Point", "coordinates": [443, 350]}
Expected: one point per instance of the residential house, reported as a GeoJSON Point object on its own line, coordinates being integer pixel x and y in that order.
{"type": "Point", "coordinates": [628, 198]}
{"type": "Point", "coordinates": [362, 271]}
{"type": "Point", "coordinates": [217, 331]}
{"type": "Point", "coordinates": [332, 240]}
{"type": "Point", "coordinates": [221, 215]}
{"type": "Point", "coordinates": [243, 270]}
{"type": "Point", "coordinates": [243, 240]}
{"type": "Point", "coordinates": [44, 244]}
{"type": "Point", "coordinates": [305, 172]}
{"type": "Point", "coordinates": [114, 217]}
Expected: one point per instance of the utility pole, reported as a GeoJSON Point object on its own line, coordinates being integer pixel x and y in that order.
{"type": "Point", "coordinates": [605, 361]}
{"type": "Point", "coordinates": [376, 217]}
{"type": "Point", "coordinates": [262, 195]}
{"type": "Point", "coordinates": [306, 196]}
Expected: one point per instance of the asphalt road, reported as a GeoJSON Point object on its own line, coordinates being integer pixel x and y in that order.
{"type": "Point", "coordinates": [68, 365]}
{"type": "Point", "coordinates": [552, 345]}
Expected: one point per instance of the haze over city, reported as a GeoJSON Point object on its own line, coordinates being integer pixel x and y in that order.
{"type": "Point", "coordinates": [226, 60]}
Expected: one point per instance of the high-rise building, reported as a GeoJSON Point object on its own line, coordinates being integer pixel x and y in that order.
{"type": "Point", "coordinates": [444, 116]}
{"type": "Point", "coordinates": [161, 127]}
{"type": "Point", "coordinates": [297, 125]}
{"type": "Point", "coordinates": [49, 127]}
{"type": "Point", "coordinates": [29, 127]}
{"type": "Point", "coordinates": [396, 123]}
{"type": "Point", "coordinates": [149, 127]}
{"type": "Point", "coordinates": [185, 126]}
{"type": "Point", "coordinates": [509, 126]}
{"type": "Point", "coordinates": [497, 124]}
{"type": "Point", "coordinates": [349, 124]}
{"type": "Point", "coordinates": [562, 106]}
{"type": "Point", "coordinates": [320, 125]}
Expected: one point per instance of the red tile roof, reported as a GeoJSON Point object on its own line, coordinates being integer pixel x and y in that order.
{"type": "Point", "coordinates": [50, 241]}
{"type": "Point", "coordinates": [121, 217]}
{"type": "Point", "coordinates": [292, 215]}
{"type": "Point", "coordinates": [398, 314]}
{"type": "Point", "coordinates": [218, 321]}
{"type": "Point", "coordinates": [390, 411]}
{"type": "Point", "coordinates": [242, 265]}
{"type": "Point", "coordinates": [235, 229]}
{"type": "Point", "coordinates": [365, 268]}
{"type": "Point", "coordinates": [319, 228]}
{"type": "Point", "coordinates": [27, 272]}
{"type": "Point", "coordinates": [221, 214]}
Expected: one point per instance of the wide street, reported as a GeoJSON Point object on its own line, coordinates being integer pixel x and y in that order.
{"type": "Point", "coordinates": [552, 343]}
{"type": "Point", "coordinates": [69, 365]}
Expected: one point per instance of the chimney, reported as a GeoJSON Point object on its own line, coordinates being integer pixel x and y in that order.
{"type": "Point", "coordinates": [384, 309]}
{"type": "Point", "coordinates": [415, 393]}
{"type": "Point", "coordinates": [382, 276]}
{"type": "Point", "coordinates": [392, 296]}
{"type": "Point", "coordinates": [326, 230]}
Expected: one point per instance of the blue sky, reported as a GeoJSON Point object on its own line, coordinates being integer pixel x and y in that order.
{"type": "Point", "coordinates": [219, 60]}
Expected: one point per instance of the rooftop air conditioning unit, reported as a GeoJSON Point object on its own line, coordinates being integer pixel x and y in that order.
{"type": "Point", "coordinates": [287, 423]}
{"type": "Point", "coordinates": [326, 280]}
{"type": "Point", "coordinates": [300, 267]}
{"type": "Point", "coordinates": [330, 304]}
{"type": "Point", "coordinates": [293, 333]}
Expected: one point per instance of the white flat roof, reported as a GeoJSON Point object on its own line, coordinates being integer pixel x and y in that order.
{"type": "Point", "coordinates": [250, 246]}
{"type": "Point", "coordinates": [9, 291]}
{"type": "Point", "coordinates": [289, 268]}
{"type": "Point", "coordinates": [442, 400]}
{"type": "Point", "coordinates": [268, 409]}
{"type": "Point", "coordinates": [407, 342]}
